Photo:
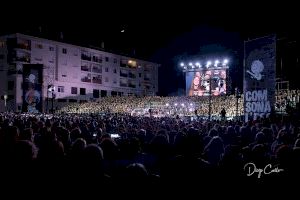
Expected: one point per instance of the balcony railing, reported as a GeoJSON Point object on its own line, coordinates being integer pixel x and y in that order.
{"type": "Point", "coordinates": [86, 79]}
{"type": "Point", "coordinates": [22, 59]}
{"type": "Point", "coordinates": [86, 57]}
{"type": "Point", "coordinates": [132, 75]}
{"type": "Point", "coordinates": [98, 81]}
{"type": "Point", "coordinates": [23, 46]}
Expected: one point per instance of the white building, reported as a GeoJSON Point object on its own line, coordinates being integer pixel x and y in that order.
{"type": "Point", "coordinates": [78, 73]}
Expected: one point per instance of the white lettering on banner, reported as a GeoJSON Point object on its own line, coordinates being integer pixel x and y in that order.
{"type": "Point", "coordinates": [248, 97]}
{"type": "Point", "coordinates": [259, 107]}
{"type": "Point", "coordinates": [260, 95]}
{"type": "Point", "coordinates": [256, 103]}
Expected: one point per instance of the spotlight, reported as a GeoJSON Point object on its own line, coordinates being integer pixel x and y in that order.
{"type": "Point", "coordinates": [225, 62]}
{"type": "Point", "coordinates": [190, 64]}
{"type": "Point", "coordinates": [208, 63]}
{"type": "Point", "coordinates": [182, 64]}
{"type": "Point", "coordinates": [167, 104]}
{"type": "Point", "coordinates": [216, 63]}
{"type": "Point", "coordinates": [182, 104]}
{"type": "Point", "coordinates": [175, 104]}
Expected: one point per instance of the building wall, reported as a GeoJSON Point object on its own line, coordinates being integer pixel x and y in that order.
{"type": "Point", "coordinates": [66, 66]}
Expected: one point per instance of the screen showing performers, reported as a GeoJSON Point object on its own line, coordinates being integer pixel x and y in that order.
{"type": "Point", "coordinates": [198, 82]}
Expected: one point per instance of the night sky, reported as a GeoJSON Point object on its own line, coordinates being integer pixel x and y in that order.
{"type": "Point", "coordinates": [166, 34]}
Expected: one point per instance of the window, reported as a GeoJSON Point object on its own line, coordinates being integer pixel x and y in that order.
{"type": "Point", "coordinates": [73, 90]}
{"type": "Point", "coordinates": [123, 82]}
{"type": "Point", "coordinates": [10, 85]}
{"type": "Point", "coordinates": [103, 93]}
{"type": "Point", "coordinates": [131, 74]}
{"type": "Point", "coordinates": [96, 68]}
{"type": "Point", "coordinates": [114, 93]}
{"type": "Point", "coordinates": [115, 70]}
{"type": "Point", "coordinates": [23, 44]}
{"type": "Point", "coordinates": [1, 56]}
{"type": "Point", "coordinates": [96, 93]}
{"type": "Point", "coordinates": [106, 69]}
{"type": "Point", "coordinates": [51, 48]}
{"type": "Point", "coordinates": [82, 91]}
{"type": "Point", "coordinates": [85, 66]}
{"type": "Point", "coordinates": [72, 100]}
{"type": "Point", "coordinates": [97, 58]}
{"type": "Point", "coordinates": [140, 75]}
{"type": "Point", "coordinates": [106, 79]}
{"type": "Point", "coordinates": [123, 63]}
{"type": "Point", "coordinates": [115, 60]}
{"type": "Point", "coordinates": [115, 81]}
{"type": "Point", "coordinates": [61, 89]}
{"type": "Point", "coordinates": [64, 75]}
{"type": "Point", "coordinates": [123, 73]}
{"type": "Point", "coordinates": [106, 59]}
{"type": "Point", "coordinates": [38, 46]}
{"type": "Point", "coordinates": [64, 51]}
{"type": "Point", "coordinates": [86, 56]}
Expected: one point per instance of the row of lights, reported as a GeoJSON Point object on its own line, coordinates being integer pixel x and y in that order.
{"type": "Point", "coordinates": [208, 64]}
{"type": "Point", "coordinates": [176, 104]}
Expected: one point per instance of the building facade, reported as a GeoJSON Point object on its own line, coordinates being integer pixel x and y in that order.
{"type": "Point", "coordinates": [77, 74]}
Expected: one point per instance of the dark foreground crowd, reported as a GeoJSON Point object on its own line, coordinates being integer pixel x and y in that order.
{"type": "Point", "coordinates": [122, 151]}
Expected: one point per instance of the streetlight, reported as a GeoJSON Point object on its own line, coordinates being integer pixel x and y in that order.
{"type": "Point", "coordinates": [5, 98]}
{"type": "Point", "coordinates": [237, 96]}
{"type": "Point", "coordinates": [51, 88]}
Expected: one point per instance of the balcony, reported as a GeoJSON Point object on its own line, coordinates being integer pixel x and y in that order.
{"type": "Point", "coordinates": [131, 85]}
{"type": "Point", "coordinates": [123, 84]}
{"type": "Point", "coordinates": [123, 74]}
{"type": "Point", "coordinates": [85, 68]}
{"type": "Point", "coordinates": [97, 79]}
{"type": "Point", "coordinates": [22, 59]}
{"type": "Point", "coordinates": [96, 69]}
{"type": "Point", "coordinates": [86, 57]}
{"type": "Point", "coordinates": [131, 75]}
{"type": "Point", "coordinates": [97, 59]}
{"type": "Point", "coordinates": [25, 46]}
{"type": "Point", "coordinates": [86, 79]}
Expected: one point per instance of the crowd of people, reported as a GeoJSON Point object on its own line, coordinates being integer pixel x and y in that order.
{"type": "Point", "coordinates": [115, 148]}
{"type": "Point", "coordinates": [286, 99]}
{"type": "Point", "coordinates": [104, 141]}
{"type": "Point", "coordinates": [182, 105]}
{"type": "Point", "coordinates": [160, 106]}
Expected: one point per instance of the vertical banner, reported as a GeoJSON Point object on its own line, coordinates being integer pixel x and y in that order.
{"type": "Point", "coordinates": [32, 88]}
{"type": "Point", "coordinates": [259, 77]}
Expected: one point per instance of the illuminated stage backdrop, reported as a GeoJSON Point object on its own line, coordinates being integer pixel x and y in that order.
{"type": "Point", "coordinates": [198, 82]}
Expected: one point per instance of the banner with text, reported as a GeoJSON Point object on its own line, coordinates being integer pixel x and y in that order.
{"type": "Point", "coordinates": [259, 77]}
